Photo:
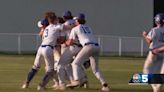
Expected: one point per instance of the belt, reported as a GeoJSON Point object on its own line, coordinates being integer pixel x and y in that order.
{"type": "Point", "coordinates": [96, 44]}
{"type": "Point", "coordinates": [52, 47]}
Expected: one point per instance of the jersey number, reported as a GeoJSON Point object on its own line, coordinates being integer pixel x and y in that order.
{"type": "Point", "coordinates": [46, 33]}
{"type": "Point", "coordinates": [161, 39]}
{"type": "Point", "coordinates": [86, 30]}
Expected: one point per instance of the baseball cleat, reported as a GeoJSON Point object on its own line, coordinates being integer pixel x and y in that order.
{"type": "Point", "coordinates": [73, 84]}
{"type": "Point", "coordinates": [61, 87]}
{"type": "Point", "coordinates": [105, 88]}
{"type": "Point", "coordinates": [39, 88]}
{"type": "Point", "coordinates": [84, 85]}
{"type": "Point", "coordinates": [25, 85]}
{"type": "Point", "coordinates": [54, 86]}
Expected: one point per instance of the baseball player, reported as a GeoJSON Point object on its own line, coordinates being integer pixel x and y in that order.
{"type": "Point", "coordinates": [37, 63]}
{"type": "Point", "coordinates": [50, 36]}
{"type": "Point", "coordinates": [68, 52]}
{"type": "Point", "coordinates": [67, 16]}
{"type": "Point", "coordinates": [90, 50]}
{"type": "Point", "coordinates": [155, 39]}
{"type": "Point", "coordinates": [66, 59]}
{"type": "Point", "coordinates": [65, 69]}
{"type": "Point", "coordinates": [57, 54]}
{"type": "Point", "coordinates": [45, 51]}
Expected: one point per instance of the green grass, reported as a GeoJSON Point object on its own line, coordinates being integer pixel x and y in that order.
{"type": "Point", "coordinates": [117, 71]}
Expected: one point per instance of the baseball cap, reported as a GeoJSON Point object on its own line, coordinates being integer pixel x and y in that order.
{"type": "Point", "coordinates": [67, 13]}
{"type": "Point", "coordinates": [45, 22]}
{"type": "Point", "coordinates": [159, 18]}
{"type": "Point", "coordinates": [80, 16]}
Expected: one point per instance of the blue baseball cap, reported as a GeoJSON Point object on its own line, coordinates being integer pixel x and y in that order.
{"type": "Point", "coordinates": [81, 16]}
{"type": "Point", "coordinates": [159, 18]}
{"type": "Point", "coordinates": [44, 22]}
{"type": "Point", "coordinates": [67, 13]}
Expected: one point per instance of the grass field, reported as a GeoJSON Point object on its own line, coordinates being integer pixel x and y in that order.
{"type": "Point", "coordinates": [117, 70]}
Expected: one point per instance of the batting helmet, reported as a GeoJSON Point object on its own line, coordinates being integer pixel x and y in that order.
{"type": "Point", "coordinates": [159, 18]}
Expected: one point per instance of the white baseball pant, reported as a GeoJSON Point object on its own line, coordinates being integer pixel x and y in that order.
{"type": "Point", "coordinates": [90, 51]}
{"type": "Point", "coordinates": [153, 64]}
{"type": "Point", "coordinates": [64, 67]}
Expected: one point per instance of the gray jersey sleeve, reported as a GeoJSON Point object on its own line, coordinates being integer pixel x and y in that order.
{"type": "Point", "coordinates": [150, 34]}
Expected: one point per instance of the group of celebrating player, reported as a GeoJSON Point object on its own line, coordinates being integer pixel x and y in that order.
{"type": "Point", "coordinates": [154, 63]}
{"type": "Point", "coordinates": [68, 47]}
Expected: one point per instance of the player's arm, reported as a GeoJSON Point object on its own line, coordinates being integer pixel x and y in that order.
{"type": "Point", "coordinates": [63, 27]}
{"type": "Point", "coordinates": [72, 38]}
{"type": "Point", "coordinates": [41, 32]}
{"type": "Point", "coordinates": [61, 40]}
{"type": "Point", "coordinates": [157, 50]}
{"type": "Point", "coordinates": [68, 25]}
{"type": "Point", "coordinates": [161, 48]}
{"type": "Point", "coordinates": [147, 39]}
{"type": "Point", "coordinates": [69, 42]}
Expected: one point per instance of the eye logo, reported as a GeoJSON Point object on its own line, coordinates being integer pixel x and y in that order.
{"type": "Point", "coordinates": [137, 78]}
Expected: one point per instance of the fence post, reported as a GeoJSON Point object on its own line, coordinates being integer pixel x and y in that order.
{"type": "Point", "coordinates": [101, 45]}
{"type": "Point", "coordinates": [141, 47]}
{"type": "Point", "coordinates": [19, 43]}
{"type": "Point", "coordinates": [120, 46]}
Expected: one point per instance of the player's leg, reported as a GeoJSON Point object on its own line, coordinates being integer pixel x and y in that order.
{"type": "Point", "coordinates": [85, 66]}
{"type": "Point", "coordinates": [57, 55]}
{"type": "Point", "coordinates": [94, 60]}
{"type": "Point", "coordinates": [72, 51]}
{"type": "Point", "coordinates": [98, 74]}
{"type": "Point", "coordinates": [64, 69]}
{"type": "Point", "coordinates": [158, 69]}
{"type": "Point", "coordinates": [158, 86]}
{"type": "Point", "coordinates": [153, 65]}
{"type": "Point", "coordinates": [76, 66]}
{"type": "Point", "coordinates": [68, 69]}
{"type": "Point", "coordinates": [66, 63]}
{"type": "Point", "coordinates": [55, 77]}
{"type": "Point", "coordinates": [84, 79]}
{"type": "Point", "coordinates": [75, 49]}
{"type": "Point", "coordinates": [85, 53]}
{"type": "Point", "coordinates": [49, 62]}
{"type": "Point", "coordinates": [148, 65]}
{"type": "Point", "coordinates": [34, 70]}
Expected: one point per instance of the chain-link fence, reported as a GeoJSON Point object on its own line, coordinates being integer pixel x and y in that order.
{"type": "Point", "coordinates": [22, 43]}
